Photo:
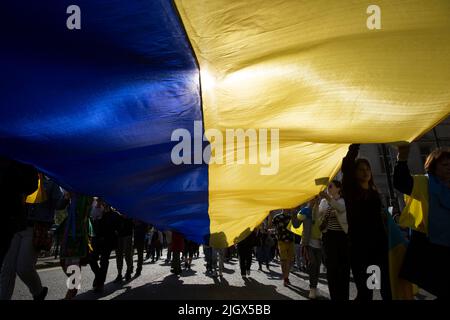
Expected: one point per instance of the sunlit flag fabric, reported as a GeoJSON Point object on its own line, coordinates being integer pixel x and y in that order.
{"type": "Point", "coordinates": [95, 108]}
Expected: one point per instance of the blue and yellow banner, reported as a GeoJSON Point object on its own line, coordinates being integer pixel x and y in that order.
{"type": "Point", "coordinates": [96, 106]}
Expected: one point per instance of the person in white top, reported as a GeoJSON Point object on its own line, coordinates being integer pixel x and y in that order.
{"type": "Point", "coordinates": [334, 229]}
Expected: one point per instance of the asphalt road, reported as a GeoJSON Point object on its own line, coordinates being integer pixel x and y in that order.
{"type": "Point", "coordinates": [156, 283]}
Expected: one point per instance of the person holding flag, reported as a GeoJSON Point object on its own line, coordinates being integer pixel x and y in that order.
{"type": "Point", "coordinates": [367, 225]}
{"type": "Point", "coordinates": [427, 213]}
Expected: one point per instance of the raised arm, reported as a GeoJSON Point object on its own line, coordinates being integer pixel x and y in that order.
{"type": "Point", "coordinates": [403, 181]}
{"type": "Point", "coordinates": [348, 169]}
{"type": "Point", "coordinates": [348, 163]}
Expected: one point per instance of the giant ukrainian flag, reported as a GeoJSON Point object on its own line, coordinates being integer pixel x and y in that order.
{"type": "Point", "coordinates": [95, 108]}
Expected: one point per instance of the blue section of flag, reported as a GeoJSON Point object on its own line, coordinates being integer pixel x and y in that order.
{"type": "Point", "coordinates": [95, 108]}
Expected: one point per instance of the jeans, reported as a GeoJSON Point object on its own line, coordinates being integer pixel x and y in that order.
{"type": "Point", "coordinates": [298, 255]}
{"type": "Point", "coordinates": [125, 248]}
{"type": "Point", "coordinates": [315, 256]}
{"type": "Point", "coordinates": [20, 259]}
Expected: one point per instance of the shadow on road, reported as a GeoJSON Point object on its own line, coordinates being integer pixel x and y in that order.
{"type": "Point", "coordinates": [305, 277]}
{"type": "Point", "coordinates": [305, 293]}
{"type": "Point", "coordinates": [273, 275]}
{"type": "Point", "coordinates": [173, 287]}
{"type": "Point", "coordinates": [189, 273]}
{"type": "Point", "coordinates": [228, 271]}
{"type": "Point", "coordinates": [108, 289]}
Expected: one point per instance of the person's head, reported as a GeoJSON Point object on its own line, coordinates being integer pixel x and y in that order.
{"type": "Point", "coordinates": [363, 173]}
{"type": "Point", "coordinates": [97, 203]}
{"type": "Point", "coordinates": [334, 189]}
{"type": "Point", "coordinates": [438, 164]}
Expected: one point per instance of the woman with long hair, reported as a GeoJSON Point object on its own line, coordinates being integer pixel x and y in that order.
{"type": "Point", "coordinates": [366, 224]}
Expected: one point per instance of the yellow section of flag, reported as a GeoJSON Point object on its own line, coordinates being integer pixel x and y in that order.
{"type": "Point", "coordinates": [315, 71]}
{"type": "Point", "coordinates": [415, 213]}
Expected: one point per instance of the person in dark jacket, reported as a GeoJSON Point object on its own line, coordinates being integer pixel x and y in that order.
{"type": "Point", "coordinates": [245, 250]}
{"type": "Point", "coordinates": [25, 248]}
{"type": "Point", "coordinates": [17, 254]}
{"type": "Point", "coordinates": [17, 180]}
{"type": "Point", "coordinates": [104, 241]}
{"type": "Point", "coordinates": [366, 225]}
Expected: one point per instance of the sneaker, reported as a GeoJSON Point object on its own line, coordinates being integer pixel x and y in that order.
{"type": "Point", "coordinates": [41, 296]}
{"type": "Point", "coordinates": [118, 279]}
{"type": "Point", "coordinates": [244, 276]}
{"type": "Point", "coordinates": [248, 272]}
{"type": "Point", "coordinates": [312, 293]}
{"type": "Point", "coordinates": [128, 276]}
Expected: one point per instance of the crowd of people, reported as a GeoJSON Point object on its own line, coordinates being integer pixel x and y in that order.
{"type": "Point", "coordinates": [344, 227]}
